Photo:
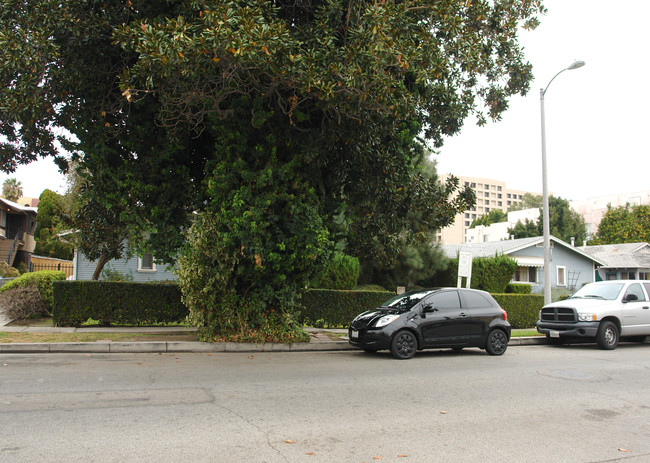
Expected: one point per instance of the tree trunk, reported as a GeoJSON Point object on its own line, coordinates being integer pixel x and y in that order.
{"type": "Point", "coordinates": [103, 259]}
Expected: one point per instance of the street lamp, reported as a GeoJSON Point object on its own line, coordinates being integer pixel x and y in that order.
{"type": "Point", "coordinates": [545, 212]}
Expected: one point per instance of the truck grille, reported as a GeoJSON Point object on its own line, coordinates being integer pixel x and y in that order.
{"type": "Point", "coordinates": [559, 314]}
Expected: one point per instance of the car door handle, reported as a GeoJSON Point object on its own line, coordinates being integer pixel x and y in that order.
{"type": "Point", "coordinates": [463, 315]}
{"type": "Point", "coordinates": [646, 307]}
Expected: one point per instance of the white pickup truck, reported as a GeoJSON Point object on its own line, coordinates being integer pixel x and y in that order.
{"type": "Point", "coordinates": [604, 311]}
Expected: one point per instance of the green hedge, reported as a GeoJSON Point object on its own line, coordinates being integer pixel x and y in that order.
{"type": "Point", "coordinates": [123, 303]}
{"type": "Point", "coordinates": [332, 308]}
{"type": "Point", "coordinates": [523, 309]}
{"type": "Point", "coordinates": [519, 288]}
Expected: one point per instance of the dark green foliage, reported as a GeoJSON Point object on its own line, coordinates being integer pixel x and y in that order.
{"type": "Point", "coordinates": [519, 288]}
{"type": "Point", "coordinates": [492, 274]}
{"type": "Point", "coordinates": [565, 223]}
{"type": "Point", "coordinates": [41, 280]}
{"type": "Point", "coordinates": [117, 303]}
{"type": "Point", "coordinates": [50, 222]}
{"type": "Point", "coordinates": [328, 308]}
{"type": "Point", "coordinates": [526, 229]}
{"type": "Point", "coordinates": [522, 309]}
{"type": "Point", "coordinates": [494, 216]}
{"type": "Point", "coordinates": [341, 272]}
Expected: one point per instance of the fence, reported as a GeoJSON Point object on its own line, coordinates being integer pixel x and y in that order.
{"type": "Point", "coordinates": [66, 267]}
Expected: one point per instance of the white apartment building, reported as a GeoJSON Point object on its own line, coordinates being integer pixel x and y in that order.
{"type": "Point", "coordinates": [490, 194]}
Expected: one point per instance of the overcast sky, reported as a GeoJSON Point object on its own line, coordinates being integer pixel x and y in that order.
{"type": "Point", "coordinates": [596, 116]}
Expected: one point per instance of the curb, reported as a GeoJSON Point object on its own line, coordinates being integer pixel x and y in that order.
{"type": "Point", "coordinates": [115, 347]}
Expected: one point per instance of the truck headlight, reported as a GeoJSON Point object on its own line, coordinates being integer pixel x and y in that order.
{"type": "Point", "coordinates": [587, 317]}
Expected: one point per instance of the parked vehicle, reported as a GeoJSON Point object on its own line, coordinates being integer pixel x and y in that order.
{"type": "Point", "coordinates": [604, 311]}
{"type": "Point", "coordinates": [431, 319]}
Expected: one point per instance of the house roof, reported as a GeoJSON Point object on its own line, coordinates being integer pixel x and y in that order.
{"type": "Point", "coordinates": [509, 247]}
{"type": "Point", "coordinates": [15, 207]}
{"type": "Point", "coordinates": [624, 255]}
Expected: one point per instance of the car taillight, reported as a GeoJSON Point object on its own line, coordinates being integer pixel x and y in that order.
{"type": "Point", "coordinates": [505, 315]}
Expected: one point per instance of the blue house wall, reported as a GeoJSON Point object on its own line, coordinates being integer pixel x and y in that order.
{"type": "Point", "coordinates": [84, 269]}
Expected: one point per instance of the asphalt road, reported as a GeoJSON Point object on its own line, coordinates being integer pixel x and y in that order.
{"type": "Point", "coordinates": [534, 404]}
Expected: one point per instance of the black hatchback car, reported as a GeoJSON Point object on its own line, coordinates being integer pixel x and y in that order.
{"type": "Point", "coordinates": [432, 319]}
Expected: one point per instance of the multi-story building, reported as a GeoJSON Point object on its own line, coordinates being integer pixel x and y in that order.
{"type": "Point", "coordinates": [490, 194]}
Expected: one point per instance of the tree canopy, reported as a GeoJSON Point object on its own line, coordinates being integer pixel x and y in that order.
{"type": "Point", "coordinates": [12, 189]}
{"type": "Point", "coordinates": [565, 223]}
{"type": "Point", "coordinates": [624, 224]}
{"type": "Point", "coordinates": [286, 126]}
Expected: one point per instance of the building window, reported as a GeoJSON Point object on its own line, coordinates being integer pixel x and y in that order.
{"type": "Point", "coordinates": [644, 275]}
{"type": "Point", "coordinates": [498, 188]}
{"type": "Point", "coordinates": [561, 276]}
{"type": "Point", "coordinates": [526, 275]}
{"type": "Point", "coordinates": [486, 194]}
{"type": "Point", "coordinates": [499, 196]}
{"type": "Point", "coordinates": [146, 263]}
{"type": "Point", "coordinates": [509, 196]}
{"type": "Point", "coordinates": [611, 276]}
{"type": "Point", "coordinates": [628, 276]}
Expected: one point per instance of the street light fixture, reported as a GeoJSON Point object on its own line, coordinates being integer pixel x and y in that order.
{"type": "Point", "coordinates": [545, 211]}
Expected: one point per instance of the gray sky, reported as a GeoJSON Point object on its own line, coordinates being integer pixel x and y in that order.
{"type": "Point", "coordinates": [596, 116]}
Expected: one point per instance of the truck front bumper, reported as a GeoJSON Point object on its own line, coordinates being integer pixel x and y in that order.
{"type": "Point", "coordinates": [568, 330]}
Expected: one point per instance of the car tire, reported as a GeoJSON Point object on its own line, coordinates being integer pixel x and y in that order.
{"type": "Point", "coordinates": [497, 342]}
{"type": "Point", "coordinates": [607, 336]}
{"type": "Point", "coordinates": [403, 345]}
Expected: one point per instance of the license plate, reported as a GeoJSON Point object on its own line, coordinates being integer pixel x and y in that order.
{"type": "Point", "coordinates": [354, 334]}
{"type": "Point", "coordinates": [554, 334]}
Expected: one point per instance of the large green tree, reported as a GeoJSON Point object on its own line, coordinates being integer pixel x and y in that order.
{"type": "Point", "coordinates": [287, 126]}
{"type": "Point", "coordinates": [50, 223]}
{"type": "Point", "coordinates": [624, 224]}
{"type": "Point", "coordinates": [565, 223]}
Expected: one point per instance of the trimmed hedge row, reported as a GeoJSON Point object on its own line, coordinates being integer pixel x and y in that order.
{"type": "Point", "coordinates": [523, 309]}
{"type": "Point", "coordinates": [332, 308]}
{"type": "Point", "coordinates": [123, 303]}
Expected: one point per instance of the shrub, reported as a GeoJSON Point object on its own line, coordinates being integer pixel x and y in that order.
{"type": "Point", "coordinates": [492, 274]}
{"type": "Point", "coordinates": [23, 302]}
{"type": "Point", "coordinates": [519, 288]}
{"type": "Point", "coordinates": [342, 272]}
{"type": "Point", "coordinates": [3, 268]}
{"type": "Point", "coordinates": [523, 309]}
{"type": "Point", "coordinates": [124, 303]}
{"type": "Point", "coordinates": [330, 308]}
{"type": "Point", "coordinates": [12, 273]}
{"type": "Point", "coordinates": [22, 268]}
{"type": "Point", "coordinates": [40, 280]}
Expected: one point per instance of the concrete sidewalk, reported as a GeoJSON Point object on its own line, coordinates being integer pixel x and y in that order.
{"type": "Point", "coordinates": [320, 340]}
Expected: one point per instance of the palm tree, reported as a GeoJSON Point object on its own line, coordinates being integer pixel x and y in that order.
{"type": "Point", "coordinates": [12, 189]}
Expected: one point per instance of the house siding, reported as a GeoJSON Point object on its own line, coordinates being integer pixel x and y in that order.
{"type": "Point", "coordinates": [84, 269]}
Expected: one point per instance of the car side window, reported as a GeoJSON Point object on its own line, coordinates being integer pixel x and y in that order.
{"type": "Point", "coordinates": [472, 300]}
{"type": "Point", "coordinates": [444, 300]}
{"type": "Point", "coordinates": [637, 291]}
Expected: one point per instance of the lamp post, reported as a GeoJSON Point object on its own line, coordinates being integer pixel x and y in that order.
{"type": "Point", "coordinates": [545, 211]}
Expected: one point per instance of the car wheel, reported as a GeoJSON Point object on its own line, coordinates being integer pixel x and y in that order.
{"type": "Point", "coordinates": [403, 345]}
{"type": "Point", "coordinates": [607, 336]}
{"type": "Point", "coordinates": [497, 342]}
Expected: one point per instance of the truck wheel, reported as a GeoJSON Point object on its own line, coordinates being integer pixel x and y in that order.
{"type": "Point", "coordinates": [607, 336]}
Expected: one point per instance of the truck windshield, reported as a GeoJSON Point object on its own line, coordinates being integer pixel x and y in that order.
{"type": "Point", "coordinates": [607, 291]}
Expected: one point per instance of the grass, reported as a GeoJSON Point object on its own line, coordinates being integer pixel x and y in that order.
{"type": "Point", "coordinates": [9, 338]}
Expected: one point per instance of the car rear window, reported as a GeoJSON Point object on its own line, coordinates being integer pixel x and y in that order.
{"type": "Point", "coordinates": [472, 300]}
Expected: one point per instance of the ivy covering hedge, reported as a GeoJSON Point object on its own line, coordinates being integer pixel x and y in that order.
{"type": "Point", "coordinates": [123, 303]}
{"type": "Point", "coordinates": [523, 309]}
{"type": "Point", "coordinates": [332, 308]}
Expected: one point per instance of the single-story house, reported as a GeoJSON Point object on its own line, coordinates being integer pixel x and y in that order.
{"type": "Point", "coordinates": [138, 268]}
{"type": "Point", "coordinates": [626, 261]}
{"type": "Point", "coordinates": [571, 266]}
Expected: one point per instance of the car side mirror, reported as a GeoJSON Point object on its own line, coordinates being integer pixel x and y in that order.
{"type": "Point", "coordinates": [631, 297]}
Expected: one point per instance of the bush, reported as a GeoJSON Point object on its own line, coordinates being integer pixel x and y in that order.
{"type": "Point", "coordinates": [22, 303]}
{"type": "Point", "coordinates": [519, 288]}
{"type": "Point", "coordinates": [40, 280]}
{"type": "Point", "coordinates": [123, 303]}
{"type": "Point", "coordinates": [523, 309]}
{"type": "Point", "coordinates": [492, 274]}
{"type": "Point", "coordinates": [3, 268]}
{"type": "Point", "coordinates": [342, 272]}
{"type": "Point", "coordinates": [331, 308]}
{"type": "Point", "coordinates": [12, 273]}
